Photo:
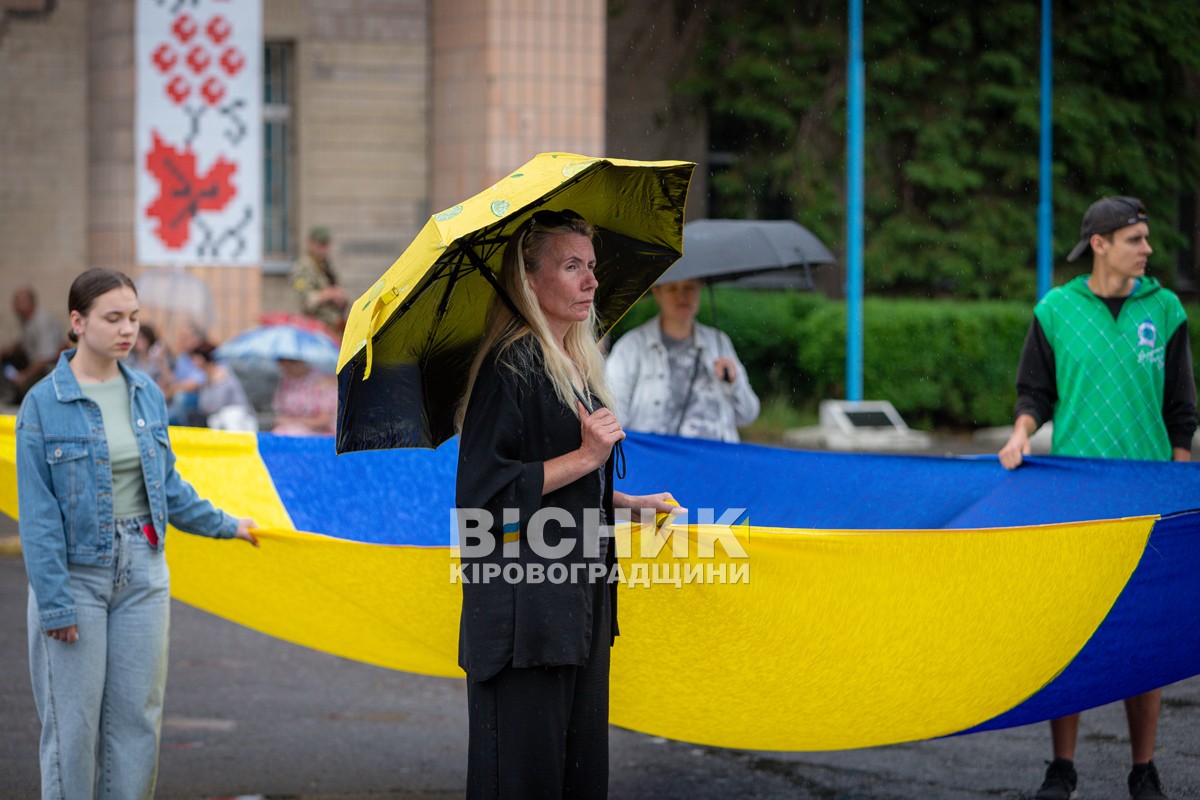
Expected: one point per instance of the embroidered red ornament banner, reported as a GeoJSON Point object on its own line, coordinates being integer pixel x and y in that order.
{"type": "Point", "coordinates": [199, 132]}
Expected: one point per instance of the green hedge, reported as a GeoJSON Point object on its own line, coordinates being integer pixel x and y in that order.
{"type": "Point", "coordinates": [940, 362]}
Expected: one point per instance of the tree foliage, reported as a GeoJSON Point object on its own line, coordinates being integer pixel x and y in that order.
{"type": "Point", "coordinates": [952, 122]}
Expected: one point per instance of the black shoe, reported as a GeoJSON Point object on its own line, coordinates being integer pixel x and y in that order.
{"type": "Point", "coordinates": [1060, 781]}
{"type": "Point", "coordinates": [1144, 783]}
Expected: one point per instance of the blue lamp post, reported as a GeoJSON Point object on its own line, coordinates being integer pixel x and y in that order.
{"type": "Point", "coordinates": [854, 207]}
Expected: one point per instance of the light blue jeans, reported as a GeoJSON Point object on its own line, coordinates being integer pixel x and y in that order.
{"type": "Point", "coordinates": [100, 699]}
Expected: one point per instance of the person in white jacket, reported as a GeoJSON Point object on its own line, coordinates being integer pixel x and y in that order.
{"type": "Point", "coordinates": [673, 375]}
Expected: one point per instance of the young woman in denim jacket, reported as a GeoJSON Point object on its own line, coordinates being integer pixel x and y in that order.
{"type": "Point", "coordinates": [97, 486]}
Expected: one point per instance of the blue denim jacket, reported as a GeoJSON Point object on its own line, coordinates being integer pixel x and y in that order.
{"type": "Point", "coordinates": [65, 488]}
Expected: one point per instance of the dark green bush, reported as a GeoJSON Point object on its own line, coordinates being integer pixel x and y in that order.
{"type": "Point", "coordinates": [1193, 314]}
{"type": "Point", "coordinates": [939, 362]}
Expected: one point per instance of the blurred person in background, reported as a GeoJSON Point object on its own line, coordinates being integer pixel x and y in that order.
{"type": "Point", "coordinates": [221, 402]}
{"type": "Point", "coordinates": [32, 355]}
{"type": "Point", "coordinates": [186, 378]}
{"type": "Point", "coordinates": [305, 401]}
{"type": "Point", "coordinates": [150, 355]}
{"type": "Point", "coordinates": [673, 375]}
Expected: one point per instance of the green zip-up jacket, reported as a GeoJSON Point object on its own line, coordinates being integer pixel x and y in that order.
{"type": "Point", "coordinates": [1117, 387]}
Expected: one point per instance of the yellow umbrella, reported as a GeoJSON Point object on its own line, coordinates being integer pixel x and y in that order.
{"type": "Point", "coordinates": [410, 339]}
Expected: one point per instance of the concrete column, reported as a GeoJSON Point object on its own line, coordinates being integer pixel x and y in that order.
{"type": "Point", "coordinates": [111, 101]}
{"type": "Point", "coordinates": [511, 79]}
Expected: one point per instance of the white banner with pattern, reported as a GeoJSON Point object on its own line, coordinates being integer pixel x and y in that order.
{"type": "Point", "coordinates": [199, 132]}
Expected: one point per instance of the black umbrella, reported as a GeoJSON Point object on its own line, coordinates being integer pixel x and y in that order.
{"type": "Point", "coordinates": [753, 253]}
{"type": "Point", "coordinates": [717, 250]}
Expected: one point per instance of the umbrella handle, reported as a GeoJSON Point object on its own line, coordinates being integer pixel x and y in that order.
{"type": "Point", "coordinates": [618, 450]}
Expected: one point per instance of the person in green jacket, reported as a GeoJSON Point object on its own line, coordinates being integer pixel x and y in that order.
{"type": "Point", "coordinates": [1107, 358]}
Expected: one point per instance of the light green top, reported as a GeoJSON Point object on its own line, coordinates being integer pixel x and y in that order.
{"type": "Point", "coordinates": [129, 486]}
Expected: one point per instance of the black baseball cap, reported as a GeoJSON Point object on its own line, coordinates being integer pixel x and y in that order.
{"type": "Point", "coordinates": [1105, 216]}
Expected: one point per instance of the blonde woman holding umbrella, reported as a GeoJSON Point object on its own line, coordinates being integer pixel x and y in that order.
{"type": "Point", "coordinates": [537, 433]}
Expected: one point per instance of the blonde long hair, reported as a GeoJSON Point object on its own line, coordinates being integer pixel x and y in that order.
{"type": "Point", "coordinates": [523, 257]}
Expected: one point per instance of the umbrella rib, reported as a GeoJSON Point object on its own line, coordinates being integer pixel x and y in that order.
{"type": "Point", "coordinates": [450, 281]}
{"type": "Point", "coordinates": [480, 265]}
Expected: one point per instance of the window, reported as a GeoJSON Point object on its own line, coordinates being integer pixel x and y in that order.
{"type": "Point", "coordinates": [279, 236]}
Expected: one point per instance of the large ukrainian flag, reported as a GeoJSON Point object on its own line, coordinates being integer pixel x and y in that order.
{"type": "Point", "coordinates": [871, 599]}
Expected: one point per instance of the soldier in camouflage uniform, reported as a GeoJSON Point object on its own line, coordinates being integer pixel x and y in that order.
{"type": "Point", "coordinates": [316, 285]}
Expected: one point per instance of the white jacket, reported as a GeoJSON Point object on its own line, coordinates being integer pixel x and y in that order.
{"type": "Point", "coordinates": [639, 377]}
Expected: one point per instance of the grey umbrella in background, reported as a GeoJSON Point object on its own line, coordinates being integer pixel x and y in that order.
{"type": "Point", "coordinates": [171, 296]}
{"type": "Point", "coordinates": [751, 253]}
{"type": "Point", "coordinates": [717, 250]}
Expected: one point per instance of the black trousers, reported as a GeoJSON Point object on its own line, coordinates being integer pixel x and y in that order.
{"type": "Point", "coordinates": [541, 733]}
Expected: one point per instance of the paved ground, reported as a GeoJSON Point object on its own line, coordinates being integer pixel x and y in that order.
{"type": "Point", "coordinates": [250, 715]}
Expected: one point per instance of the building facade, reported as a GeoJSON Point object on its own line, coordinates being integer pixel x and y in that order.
{"type": "Point", "coordinates": [376, 113]}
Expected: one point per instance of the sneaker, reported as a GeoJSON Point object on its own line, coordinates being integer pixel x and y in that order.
{"type": "Point", "coordinates": [1060, 781]}
{"type": "Point", "coordinates": [1144, 783]}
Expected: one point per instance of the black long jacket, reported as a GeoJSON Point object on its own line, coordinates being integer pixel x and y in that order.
{"type": "Point", "coordinates": [514, 423]}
